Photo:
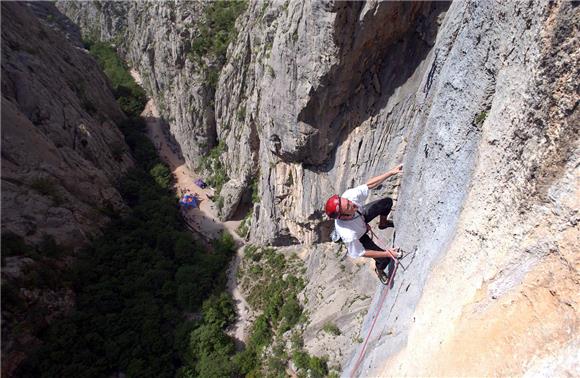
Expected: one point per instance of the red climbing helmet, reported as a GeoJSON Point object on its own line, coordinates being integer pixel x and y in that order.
{"type": "Point", "coordinates": [332, 207]}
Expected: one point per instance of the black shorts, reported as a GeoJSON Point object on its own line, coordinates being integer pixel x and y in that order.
{"type": "Point", "coordinates": [370, 212]}
{"type": "Point", "coordinates": [374, 209]}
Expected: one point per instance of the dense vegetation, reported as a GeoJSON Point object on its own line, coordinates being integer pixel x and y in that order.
{"type": "Point", "coordinates": [133, 287]}
{"type": "Point", "coordinates": [272, 283]}
{"type": "Point", "coordinates": [211, 352]}
{"type": "Point", "coordinates": [217, 30]}
{"type": "Point", "coordinates": [215, 33]}
{"type": "Point", "coordinates": [130, 96]}
{"type": "Point", "coordinates": [138, 284]}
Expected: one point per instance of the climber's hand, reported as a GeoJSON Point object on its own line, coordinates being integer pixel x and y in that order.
{"type": "Point", "coordinates": [397, 169]}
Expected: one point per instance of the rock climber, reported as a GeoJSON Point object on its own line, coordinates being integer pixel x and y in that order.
{"type": "Point", "coordinates": [352, 216]}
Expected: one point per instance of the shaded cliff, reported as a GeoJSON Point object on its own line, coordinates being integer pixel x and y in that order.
{"type": "Point", "coordinates": [156, 39]}
{"type": "Point", "coordinates": [62, 155]}
{"type": "Point", "coordinates": [61, 149]}
{"type": "Point", "coordinates": [478, 100]}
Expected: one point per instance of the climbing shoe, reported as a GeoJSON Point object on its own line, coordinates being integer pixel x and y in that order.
{"type": "Point", "coordinates": [383, 277]}
{"type": "Point", "coordinates": [385, 224]}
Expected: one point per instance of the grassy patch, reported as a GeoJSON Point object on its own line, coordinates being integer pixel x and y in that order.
{"type": "Point", "coordinates": [480, 119]}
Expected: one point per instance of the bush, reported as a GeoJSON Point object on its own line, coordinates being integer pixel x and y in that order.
{"type": "Point", "coordinates": [215, 365]}
{"type": "Point", "coordinates": [130, 96]}
{"type": "Point", "coordinates": [225, 245]}
{"type": "Point", "coordinates": [291, 311]}
{"type": "Point", "coordinates": [217, 30]}
{"type": "Point", "coordinates": [331, 328]}
{"type": "Point", "coordinates": [162, 175]}
{"type": "Point", "coordinates": [247, 362]}
{"type": "Point", "coordinates": [210, 347]}
{"type": "Point", "coordinates": [261, 333]}
{"type": "Point", "coordinates": [219, 310]}
{"type": "Point", "coordinates": [317, 366]}
{"type": "Point", "coordinates": [480, 119]}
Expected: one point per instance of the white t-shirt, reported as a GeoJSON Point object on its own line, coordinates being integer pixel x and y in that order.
{"type": "Point", "coordinates": [352, 229]}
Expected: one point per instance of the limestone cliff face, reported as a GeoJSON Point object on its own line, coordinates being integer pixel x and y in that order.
{"type": "Point", "coordinates": [477, 99]}
{"type": "Point", "coordinates": [315, 82]}
{"type": "Point", "coordinates": [488, 202]}
{"type": "Point", "coordinates": [61, 149]}
{"type": "Point", "coordinates": [155, 38]}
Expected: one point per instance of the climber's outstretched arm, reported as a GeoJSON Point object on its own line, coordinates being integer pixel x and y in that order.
{"type": "Point", "coordinates": [377, 180]}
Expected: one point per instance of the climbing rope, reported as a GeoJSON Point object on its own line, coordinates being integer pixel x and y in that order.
{"type": "Point", "coordinates": [379, 305]}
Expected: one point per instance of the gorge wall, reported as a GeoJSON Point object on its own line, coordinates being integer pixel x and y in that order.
{"type": "Point", "coordinates": [62, 155]}
{"type": "Point", "coordinates": [155, 38]}
{"type": "Point", "coordinates": [478, 100]}
{"type": "Point", "coordinates": [61, 149]}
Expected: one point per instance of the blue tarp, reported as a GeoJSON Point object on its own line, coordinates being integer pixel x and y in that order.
{"type": "Point", "coordinates": [189, 201]}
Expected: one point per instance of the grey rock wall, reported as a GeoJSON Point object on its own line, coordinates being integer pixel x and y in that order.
{"type": "Point", "coordinates": [61, 150]}
{"type": "Point", "coordinates": [329, 114]}
{"type": "Point", "coordinates": [320, 88]}
{"type": "Point", "coordinates": [481, 144]}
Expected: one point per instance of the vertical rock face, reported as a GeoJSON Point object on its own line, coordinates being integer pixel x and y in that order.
{"type": "Point", "coordinates": [478, 100]}
{"type": "Point", "coordinates": [61, 149]}
{"type": "Point", "coordinates": [156, 39]}
{"type": "Point", "coordinates": [486, 205]}
{"type": "Point", "coordinates": [318, 92]}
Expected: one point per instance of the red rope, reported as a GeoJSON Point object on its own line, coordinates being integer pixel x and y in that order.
{"type": "Point", "coordinates": [383, 296]}
{"type": "Point", "coordinates": [380, 304]}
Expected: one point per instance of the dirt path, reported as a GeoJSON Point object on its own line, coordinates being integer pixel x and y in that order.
{"type": "Point", "coordinates": [204, 219]}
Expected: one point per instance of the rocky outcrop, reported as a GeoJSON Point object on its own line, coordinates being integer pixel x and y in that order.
{"type": "Point", "coordinates": [485, 150]}
{"type": "Point", "coordinates": [61, 150]}
{"type": "Point", "coordinates": [458, 96]}
{"type": "Point", "coordinates": [510, 248]}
